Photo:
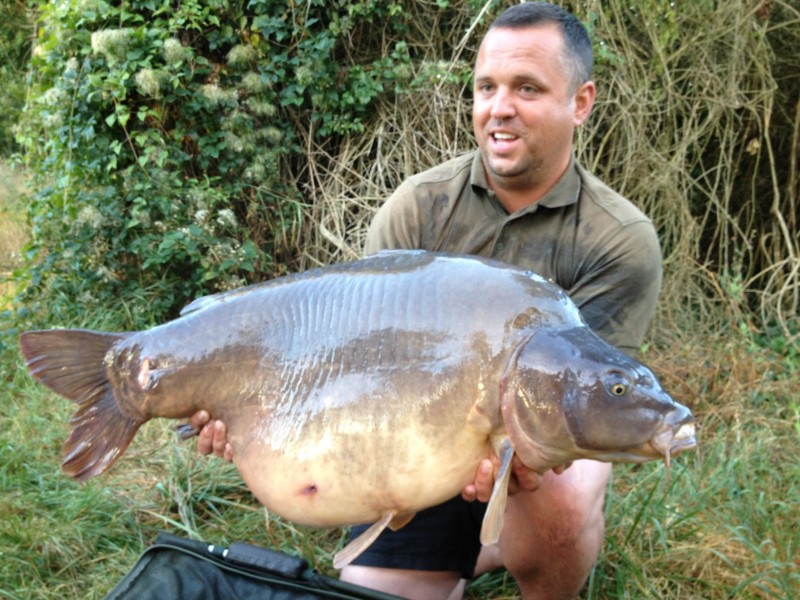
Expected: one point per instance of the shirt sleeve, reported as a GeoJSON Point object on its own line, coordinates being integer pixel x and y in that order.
{"type": "Point", "coordinates": [618, 297]}
{"type": "Point", "coordinates": [396, 225]}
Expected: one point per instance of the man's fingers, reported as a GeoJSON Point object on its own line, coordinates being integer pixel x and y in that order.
{"type": "Point", "coordinates": [205, 440]}
{"type": "Point", "coordinates": [213, 436]}
{"type": "Point", "coordinates": [561, 468]}
{"type": "Point", "coordinates": [220, 439]}
{"type": "Point", "coordinates": [228, 454]}
{"type": "Point", "coordinates": [481, 488]}
{"type": "Point", "coordinates": [199, 419]}
{"type": "Point", "coordinates": [523, 479]}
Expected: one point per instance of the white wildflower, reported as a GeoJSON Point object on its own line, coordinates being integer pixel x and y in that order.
{"type": "Point", "coordinates": [90, 216]}
{"type": "Point", "coordinates": [234, 141]}
{"type": "Point", "coordinates": [71, 66]}
{"type": "Point", "coordinates": [218, 96]}
{"type": "Point", "coordinates": [53, 120]}
{"type": "Point", "coordinates": [304, 75]}
{"type": "Point", "coordinates": [52, 97]}
{"type": "Point", "coordinates": [253, 83]}
{"type": "Point", "coordinates": [201, 216]}
{"type": "Point", "coordinates": [111, 43]}
{"type": "Point", "coordinates": [175, 52]}
{"type": "Point", "coordinates": [222, 251]}
{"type": "Point", "coordinates": [105, 273]}
{"type": "Point", "coordinates": [148, 82]}
{"type": "Point", "coordinates": [231, 283]}
{"type": "Point", "coordinates": [261, 108]}
{"type": "Point", "coordinates": [273, 135]}
{"type": "Point", "coordinates": [226, 218]}
{"type": "Point", "coordinates": [241, 55]}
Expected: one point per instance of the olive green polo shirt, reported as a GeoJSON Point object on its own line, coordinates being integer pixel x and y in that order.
{"type": "Point", "coordinates": [581, 235]}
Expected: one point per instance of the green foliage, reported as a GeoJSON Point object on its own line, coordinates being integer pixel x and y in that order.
{"type": "Point", "coordinates": [164, 139]}
{"type": "Point", "coordinates": [14, 54]}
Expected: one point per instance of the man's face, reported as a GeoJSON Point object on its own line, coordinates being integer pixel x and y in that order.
{"type": "Point", "coordinates": [524, 115]}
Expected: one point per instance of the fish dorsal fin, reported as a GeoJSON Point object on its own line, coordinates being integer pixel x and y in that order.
{"type": "Point", "coordinates": [495, 512]}
{"type": "Point", "coordinates": [357, 546]}
{"type": "Point", "coordinates": [204, 301]}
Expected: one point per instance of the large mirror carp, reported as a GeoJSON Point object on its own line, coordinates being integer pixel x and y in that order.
{"type": "Point", "coordinates": [364, 392]}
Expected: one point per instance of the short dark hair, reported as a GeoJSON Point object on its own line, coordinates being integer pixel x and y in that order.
{"type": "Point", "coordinates": [578, 58]}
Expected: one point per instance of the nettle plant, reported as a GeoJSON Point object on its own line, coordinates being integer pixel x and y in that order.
{"type": "Point", "coordinates": [164, 138]}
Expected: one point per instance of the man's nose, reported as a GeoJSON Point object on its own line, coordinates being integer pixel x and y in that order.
{"type": "Point", "coordinates": [502, 104]}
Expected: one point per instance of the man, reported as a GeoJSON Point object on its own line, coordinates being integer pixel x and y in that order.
{"type": "Point", "coordinates": [524, 199]}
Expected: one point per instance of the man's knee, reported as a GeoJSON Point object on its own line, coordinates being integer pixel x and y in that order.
{"type": "Point", "coordinates": [554, 535]}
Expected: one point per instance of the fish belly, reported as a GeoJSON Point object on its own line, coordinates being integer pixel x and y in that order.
{"type": "Point", "coordinates": [347, 480]}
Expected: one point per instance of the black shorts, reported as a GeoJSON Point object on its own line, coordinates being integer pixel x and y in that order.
{"type": "Point", "coordinates": [442, 538]}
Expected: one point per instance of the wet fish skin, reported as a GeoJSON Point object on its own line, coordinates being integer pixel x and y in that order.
{"type": "Point", "coordinates": [366, 391]}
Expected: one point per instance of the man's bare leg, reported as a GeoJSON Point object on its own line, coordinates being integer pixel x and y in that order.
{"type": "Point", "coordinates": [415, 585]}
{"type": "Point", "coordinates": [552, 537]}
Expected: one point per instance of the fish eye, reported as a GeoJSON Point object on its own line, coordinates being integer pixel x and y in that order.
{"type": "Point", "coordinates": [618, 389]}
{"type": "Point", "coordinates": [617, 384]}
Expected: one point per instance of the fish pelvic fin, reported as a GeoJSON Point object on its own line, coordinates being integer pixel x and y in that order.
{"type": "Point", "coordinates": [350, 552]}
{"type": "Point", "coordinates": [492, 524]}
{"type": "Point", "coordinates": [72, 363]}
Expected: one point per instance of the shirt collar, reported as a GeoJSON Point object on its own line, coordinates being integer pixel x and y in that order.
{"type": "Point", "coordinates": [563, 193]}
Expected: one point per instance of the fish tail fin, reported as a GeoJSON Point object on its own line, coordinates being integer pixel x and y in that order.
{"type": "Point", "coordinates": [71, 362]}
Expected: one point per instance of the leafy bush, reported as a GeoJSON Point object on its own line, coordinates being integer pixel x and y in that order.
{"type": "Point", "coordinates": [14, 54]}
{"type": "Point", "coordinates": [179, 146]}
{"type": "Point", "coordinates": [165, 141]}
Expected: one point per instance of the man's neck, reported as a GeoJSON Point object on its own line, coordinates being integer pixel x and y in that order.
{"type": "Point", "coordinates": [514, 198]}
{"type": "Point", "coordinates": [515, 195]}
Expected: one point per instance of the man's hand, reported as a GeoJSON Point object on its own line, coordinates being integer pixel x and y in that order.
{"type": "Point", "coordinates": [213, 436]}
{"type": "Point", "coordinates": [523, 479]}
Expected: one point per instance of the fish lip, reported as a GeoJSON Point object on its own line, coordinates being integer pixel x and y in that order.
{"type": "Point", "coordinates": [670, 442]}
{"type": "Point", "coordinates": [678, 447]}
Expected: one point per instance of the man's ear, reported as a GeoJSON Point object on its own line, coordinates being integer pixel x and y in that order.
{"type": "Point", "coordinates": [584, 101]}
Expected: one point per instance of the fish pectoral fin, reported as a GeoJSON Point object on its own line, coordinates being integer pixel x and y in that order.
{"type": "Point", "coordinates": [350, 552]}
{"type": "Point", "coordinates": [495, 512]}
{"type": "Point", "coordinates": [400, 521]}
{"type": "Point", "coordinates": [185, 431]}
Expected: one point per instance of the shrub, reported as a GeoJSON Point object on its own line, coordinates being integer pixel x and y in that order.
{"type": "Point", "coordinates": [14, 55]}
{"type": "Point", "coordinates": [165, 139]}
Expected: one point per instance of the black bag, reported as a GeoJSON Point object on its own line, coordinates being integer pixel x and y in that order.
{"type": "Point", "coordinates": [175, 567]}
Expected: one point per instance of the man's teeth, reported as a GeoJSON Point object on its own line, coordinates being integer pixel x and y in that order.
{"type": "Point", "coordinates": [504, 136]}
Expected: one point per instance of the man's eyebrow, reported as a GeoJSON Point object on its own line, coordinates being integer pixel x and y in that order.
{"type": "Point", "coordinates": [516, 79]}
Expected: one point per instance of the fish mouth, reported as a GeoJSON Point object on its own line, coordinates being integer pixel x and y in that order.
{"type": "Point", "coordinates": [669, 444]}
